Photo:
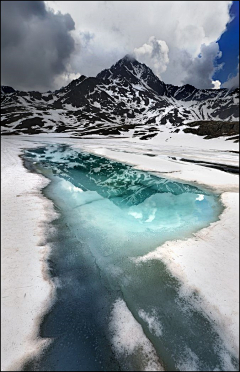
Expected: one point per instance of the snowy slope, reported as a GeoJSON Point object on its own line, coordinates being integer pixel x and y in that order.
{"type": "Point", "coordinates": [125, 100]}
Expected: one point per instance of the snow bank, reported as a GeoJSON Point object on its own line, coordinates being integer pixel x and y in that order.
{"type": "Point", "coordinates": [25, 287]}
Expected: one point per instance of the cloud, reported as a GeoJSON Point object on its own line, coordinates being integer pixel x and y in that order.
{"type": "Point", "coordinates": [86, 38]}
{"type": "Point", "coordinates": [36, 44]}
{"type": "Point", "coordinates": [233, 81]}
{"type": "Point", "coordinates": [182, 27]}
{"type": "Point", "coordinates": [199, 70]}
{"type": "Point", "coordinates": [121, 27]}
{"type": "Point", "coordinates": [104, 32]}
{"type": "Point", "coordinates": [216, 84]}
{"type": "Point", "coordinates": [186, 25]}
{"type": "Point", "coordinates": [154, 54]}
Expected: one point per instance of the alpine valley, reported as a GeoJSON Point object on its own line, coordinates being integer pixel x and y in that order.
{"type": "Point", "coordinates": [127, 100]}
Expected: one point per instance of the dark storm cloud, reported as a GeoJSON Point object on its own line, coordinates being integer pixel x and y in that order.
{"type": "Point", "coordinates": [201, 69]}
{"type": "Point", "coordinates": [35, 44]}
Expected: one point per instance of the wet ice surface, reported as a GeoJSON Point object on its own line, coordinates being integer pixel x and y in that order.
{"type": "Point", "coordinates": [110, 313]}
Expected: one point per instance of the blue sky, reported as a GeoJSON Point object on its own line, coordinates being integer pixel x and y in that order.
{"type": "Point", "coordinates": [229, 46]}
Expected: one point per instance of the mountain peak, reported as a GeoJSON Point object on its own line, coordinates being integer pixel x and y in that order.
{"type": "Point", "coordinates": [128, 58]}
{"type": "Point", "coordinates": [127, 67]}
{"type": "Point", "coordinates": [134, 72]}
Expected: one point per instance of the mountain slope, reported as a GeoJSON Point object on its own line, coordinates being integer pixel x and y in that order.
{"type": "Point", "coordinates": [126, 97]}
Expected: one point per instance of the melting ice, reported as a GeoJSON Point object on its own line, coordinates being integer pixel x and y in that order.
{"type": "Point", "coordinates": [112, 213]}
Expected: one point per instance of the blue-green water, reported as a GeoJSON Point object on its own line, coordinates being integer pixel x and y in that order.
{"type": "Point", "coordinates": [111, 213]}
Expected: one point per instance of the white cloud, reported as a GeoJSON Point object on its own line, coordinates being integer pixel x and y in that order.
{"type": "Point", "coordinates": [183, 68]}
{"type": "Point", "coordinates": [216, 84]}
{"type": "Point", "coordinates": [119, 27]}
{"type": "Point", "coordinates": [154, 54]}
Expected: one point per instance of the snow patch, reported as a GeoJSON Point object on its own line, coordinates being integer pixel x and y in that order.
{"type": "Point", "coordinates": [128, 337]}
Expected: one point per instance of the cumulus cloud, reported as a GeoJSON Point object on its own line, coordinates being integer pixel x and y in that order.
{"type": "Point", "coordinates": [154, 54]}
{"type": "Point", "coordinates": [216, 84]}
{"type": "Point", "coordinates": [168, 36]}
{"type": "Point", "coordinates": [36, 44]}
{"type": "Point", "coordinates": [184, 24]}
{"type": "Point", "coordinates": [121, 27]}
{"type": "Point", "coordinates": [201, 68]}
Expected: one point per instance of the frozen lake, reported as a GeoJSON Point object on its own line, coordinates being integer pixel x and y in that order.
{"type": "Point", "coordinates": [111, 312]}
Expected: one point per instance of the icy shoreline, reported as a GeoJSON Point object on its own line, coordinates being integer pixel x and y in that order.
{"type": "Point", "coordinates": [209, 262]}
{"type": "Point", "coordinates": [213, 273]}
{"type": "Point", "coordinates": [25, 286]}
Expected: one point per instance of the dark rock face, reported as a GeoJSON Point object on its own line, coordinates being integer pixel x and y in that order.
{"type": "Point", "coordinates": [6, 90]}
{"type": "Point", "coordinates": [213, 129]}
{"type": "Point", "coordinates": [128, 96]}
{"type": "Point", "coordinates": [133, 71]}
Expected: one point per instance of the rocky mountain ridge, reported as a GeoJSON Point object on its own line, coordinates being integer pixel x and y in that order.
{"type": "Point", "coordinates": [127, 99]}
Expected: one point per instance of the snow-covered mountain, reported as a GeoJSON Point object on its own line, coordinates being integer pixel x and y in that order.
{"type": "Point", "coordinates": [127, 98]}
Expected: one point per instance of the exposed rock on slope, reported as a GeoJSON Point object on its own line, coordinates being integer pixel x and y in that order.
{"type": "Point", "coordinates": [213, 129]}
{"type": "Point", "coordinates": [127, 99]}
